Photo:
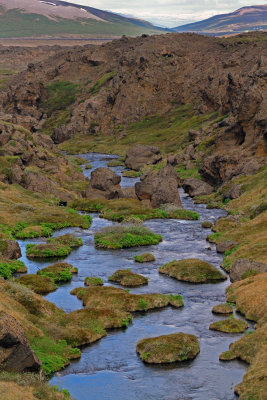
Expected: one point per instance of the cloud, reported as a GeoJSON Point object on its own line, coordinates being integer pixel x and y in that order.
{"type": "Point", "coordinates": [169, 13]}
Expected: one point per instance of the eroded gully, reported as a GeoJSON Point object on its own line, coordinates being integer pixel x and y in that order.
{"type": "Point", "coordinates": [110, 369]}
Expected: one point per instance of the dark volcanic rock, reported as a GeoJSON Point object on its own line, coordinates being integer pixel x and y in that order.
{"type": "Point", "coordinates": [9, 249]}
{"type": "Point", "coordinates": [104, 184]}
{"type": "Point", "coordinates": [139, 156]}
{"type": "Point", "coordinates": [15, 352]}
{"type": "Point", "coordinates": [159, 188]}
{"type": "Point", "coordinates": [243, 266]}
{"type": "Point", "coordinates": [223, 246]}
{"type": "Point", "coordinates": [195, 187]}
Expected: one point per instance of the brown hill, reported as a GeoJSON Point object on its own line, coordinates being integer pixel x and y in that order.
{"type": "Point", "coordinates": [104, 90]}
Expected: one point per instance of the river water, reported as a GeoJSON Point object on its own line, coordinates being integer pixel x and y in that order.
{"type": "Point", "coordinates": [110, 369]}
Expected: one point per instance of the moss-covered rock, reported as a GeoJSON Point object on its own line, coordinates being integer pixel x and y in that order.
{"type": "Point", "coordinates": [145, 257]}
{"type": "Point", "coordinates": [39, 284]}
{"type": "Point", "coordinates": [67, 240]}
{"type": "Point", "coordinates": [230, 325]}
{"type": "Point", "coordinates": [119, 299]}
{"type": "Point", "coordinates": [130, 236]}
{"type": "Point", "coordinates": [172, 348]}
{"type": "Point", "coordinates": [9, 267]}
{"type": "Point", "coordinates": [93, 281]}
{"type": "Point", "coordinates": [192, 270]}
{"type": "Point", "coordinates": [59, 272]}
{"type": "Point", "coordinates": [131, 174]}
{"type": "Point", "coordinates": [128, 278]}
{"type": "Point", "coordinates": [206, 224]}
{"type": "Point", "coordinates": [48, 250]}
{"type": "Point", "coordinates": [223, 309]}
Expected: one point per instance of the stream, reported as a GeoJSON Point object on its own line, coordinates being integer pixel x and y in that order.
{"type": "Point", "coordinates": [110, 369]}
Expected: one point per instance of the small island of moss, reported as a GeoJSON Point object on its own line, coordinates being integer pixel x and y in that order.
{"type": "Point", "coordinates": [230, 325]}
{"type": "Point", "coordinates": [165, 349]}
{"type": "Point", "coordinates": [128, 279]}
{"type": "Point", "coordinates": [143, 258]}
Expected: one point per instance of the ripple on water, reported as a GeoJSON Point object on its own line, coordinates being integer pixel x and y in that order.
{"type": "Point", "coordinates": [110, 369]}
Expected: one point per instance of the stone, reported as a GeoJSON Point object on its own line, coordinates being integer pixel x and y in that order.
{"type": "Point", "coordinates": [159, 188]}
{"type": "Point", "coordinates": [139, 156]}
{"type": "Point", "coordinates": [224, 246]}
{"type": "Point", "coordinates": [233, 193]}
{"type": "Point", "coordinates": [196, 187]}
{"type": "Point", "coordinates": [243, 266]}
{"type": "Point", "coordinates": [15, 352]}
{"type": "Point", "coordinates": [9, 249]}
{"type": "Point", "coordinates": [104, 183]}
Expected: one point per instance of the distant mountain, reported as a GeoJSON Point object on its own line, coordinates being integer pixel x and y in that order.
{"type": "Point", "coordinates": [245, 19]}
{"type": "Point", "coordinates": [35, 18]}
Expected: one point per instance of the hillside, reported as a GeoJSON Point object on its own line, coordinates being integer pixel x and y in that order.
{"type": "Point", "coordinates": [35, 18]}
{"type": "Point", "coordinates": [244, 19]}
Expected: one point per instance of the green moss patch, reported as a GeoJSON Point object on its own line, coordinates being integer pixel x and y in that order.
{"type": "Point", "coordinates": [59, 272]}
{"type": "Point", "coordinates": [115, 163]}
{"type": "Point", "coordinates": [223, 309]}
{"type": "Point", "coordinates": [128, 278]}
{"type": "Point", "coordinates": [39, 284]}
{"type": "Point", "coordinates": [93, 281]}
{"type": "Point", "coordinates": [230, 325]}
{"type": "Point", "coordinates": [48, 250]}
{"type": "Point", "coordinates": [145, 257]}
{"type": "Point", "coordinates": [67, 240]}
{"type": "Point", "coordinates": [122, 237]}
{"type": "Point", "coordinates": [192, 270]}
{"type": "Point", "coordinates": [119, 210]}
{"type": "Point", "coordinates": [118, 299]}
{"type": "Point", "coordinates": [10, 267]}
{"type": "Point", "coordinates": [172, 348]}
{"type": "Point", "coordinates": [131, 174]}
{"type": "Point", "coordinates": [31, 232]}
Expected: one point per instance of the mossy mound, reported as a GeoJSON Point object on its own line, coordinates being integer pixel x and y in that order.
{"type": "Point", "coordinates": [119, 210]}
{"type": "Point", "coordinates": [31, 232]}
{"type": "Point", "coordinates": [128, 278]}
{"type": "Point", "coordinates": [192, 270]}
{"type": "Point", "coordinates": [59, 272]}
{"type": "Point", "coordinates": [223, 309]}
{"type": "Point", "coordinates": [119, 299]}
{"type": "Point", "coordinates": [39, 284]}
{"type": "Point", "coordinates": [122, 237]}
{"type": "Point", "coordinates": [230, 325]}
{"type": "Point", "coordinates": [172, 348]}
{"type": "Point", "coordinates": [131, 174]}
{"type": "Point", "coordinates": [206, 224]}
{"type": "Point", "coordinates": [10, 267]}
{"type": "Point", "coordinates": [93, 281]}
{"type": "Point", "coordinates": [115, 163]}
{"type": "Point", "coordinates": [143, 258]}
{"type": "Point", "coordinates": [100, 319]}
{"type": "Point", "coordinates": [67, 240]}
{"type": "Point", "coordinates": [48, 250]}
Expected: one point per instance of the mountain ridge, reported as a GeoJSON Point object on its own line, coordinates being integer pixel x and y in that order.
{"type": "Point", "coordinates": [244, 19]}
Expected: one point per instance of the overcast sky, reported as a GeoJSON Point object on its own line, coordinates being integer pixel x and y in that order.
{"type": "Point", "coordinates": [169, 12]}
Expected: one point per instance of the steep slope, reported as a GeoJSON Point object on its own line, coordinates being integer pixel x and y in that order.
{"type": "Point", "coordinates": [182, 81]}
{"type": "Point", "coordinates": [31, 18]}
{"type": "Point", "coordinates": [244, 19]}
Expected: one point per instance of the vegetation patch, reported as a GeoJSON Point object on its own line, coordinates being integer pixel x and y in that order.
{"type": "Point", "coordinates": [101, 82]}
{"type": "Point", "coordinates": [122, 237]}
{"type": "Point", "coordinates": [223, 309]}
{"type": "Point", "coordinates": [59, 272]}
{"type": "Point", "coordinates": [172, 348]}
{"type": "Point", "coordinates": [93, 281]}
{"type": "Point", "coordinates": [192, 270]}
{"type": "Point", "coordinates": [10, 267]}
{"type": "Point", "coordinates": [230, 325]}
{"type": "Point", "coordinates": [67, 240]}
{"type": "Point", "coordinates": [39, 284]}
{"type": "Point", "coordinates": [128, 278]}
{"type": "Point", "coordinates": [120, 300]}
{"type": "Point", "coordinates": [115, 163]}
{"type": "Point", "coordinates": [120, 210]}
{"type": "Point", "coordinates": [48, 250]}
{"type": "Point", "coordinates": [145, 257]}
{"type": "Point", "coordinates": [206, 224]}
{"type": "Point", "coordinates": [131, 174]}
